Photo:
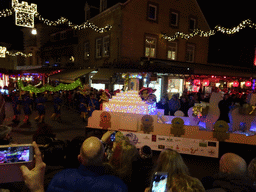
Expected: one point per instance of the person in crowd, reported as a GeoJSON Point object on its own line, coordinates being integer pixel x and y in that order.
{"type": "Point", "coordinates": [174, 104]}
{"type": "Point", "coordinates": [5, 137]}
{"type": "Point", "coordinates": [232, 175]}
{"type": "Point", "coordinates": [16, 102]}
{"type": "Point", "coordinates": [125, 161]}
{"type": "Point", "coordinates": [72, 151]}
{"type": "Point", "coordinates": [43, 134]}
{"type": "Point", "coordinates": [163, 104]}
{"type": "Point", "coordinates": [57, 101]}
{"type": "Point", "coordinates": [27, 107]}
{"type": "Point", "coordinates": [191, 100]}
{"type": "Point", "coordinates": [90, 175]}
{"type": "Point", "coordinates": [146, 165]}
{"type": "Point", "coordinates": [171, 161]}
{"type": "Point", "coordinates": [252, 170]}
{"type": "Point", "coordinates": [186, 183]}
{"type": "Point", "coordinates": [184, 105]}
{"type": "Point", "coordinates": [93, 104]}
{"type": "Point", "coordinates": [243, 99]}
{"type": "Point", "coordinates": [224, 106]}
{"type": "Point", "coordinates": [40, 106]}
{"type": "Point", "coordinates": [104, 97]}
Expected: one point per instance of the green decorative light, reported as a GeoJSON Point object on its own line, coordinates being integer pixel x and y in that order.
{"type": "Point", "coordinates": [47, 87]}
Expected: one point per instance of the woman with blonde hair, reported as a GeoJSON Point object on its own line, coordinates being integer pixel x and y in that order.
{"type": "Point", "coordinates": [170, 161]}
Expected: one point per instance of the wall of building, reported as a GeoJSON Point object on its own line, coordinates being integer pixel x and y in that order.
{"type": "Point", "coordinates": [136, 25]}
{"type": "Point", "coordinates": [112, 17]}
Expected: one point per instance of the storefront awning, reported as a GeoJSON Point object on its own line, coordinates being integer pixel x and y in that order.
{"type": "Point", "coordinates": [103, 76]}
{"type": "Point", "coordinates": [69, 76]}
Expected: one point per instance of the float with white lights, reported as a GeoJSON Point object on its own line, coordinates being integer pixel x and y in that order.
{"type": "Point", "coordinates": [125, 112]}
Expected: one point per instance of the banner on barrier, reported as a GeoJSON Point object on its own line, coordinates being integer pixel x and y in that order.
{"type": "Point", "coordinates": [188, 146]}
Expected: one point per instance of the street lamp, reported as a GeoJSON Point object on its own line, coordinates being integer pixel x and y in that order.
{"type": "Point", "coordinates": [34, 31]}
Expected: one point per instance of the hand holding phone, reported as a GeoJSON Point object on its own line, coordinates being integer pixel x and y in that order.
{"type": "Point", "coordinates": [159, 182]}
{"type": "Point", "coordinates": [113, 136]}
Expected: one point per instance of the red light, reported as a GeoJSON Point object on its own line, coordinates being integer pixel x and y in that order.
{"type": "Point", "coordinates": [248, 83]}
{"type": "Point", "coordinates": [206, 82]}
{"type": "Point", "coordinates": [212, 76]}
{"type": "Point", "coordinates": [225, 77]}
{"type": "Point", "coordinates": [235, 84]}
{"type": "Point", "coordinates": [197, 82]}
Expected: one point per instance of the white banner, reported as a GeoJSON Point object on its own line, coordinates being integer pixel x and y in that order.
{"type": "Point", "coordinates": [188, 146]}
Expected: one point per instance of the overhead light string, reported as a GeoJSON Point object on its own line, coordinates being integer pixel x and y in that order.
{"type": "Point", "coordinates": [218, 28]}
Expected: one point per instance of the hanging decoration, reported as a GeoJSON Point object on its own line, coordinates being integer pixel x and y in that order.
{"type": "Point", "coordinates": [24, 13]}
{"type": "Point", "coordinates": [6, 13]}
{"type": "Point", "coordinates": [218, 28]}
{"type": "Point", "coordinates": [47, 87]}
{"type": "Point", "coordinates": [4, 52]}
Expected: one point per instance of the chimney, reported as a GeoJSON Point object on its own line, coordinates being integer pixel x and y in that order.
{"type": "Point", "coordinates": [87, 11]}
{"type": "Point", "coordinates": [103, 5]}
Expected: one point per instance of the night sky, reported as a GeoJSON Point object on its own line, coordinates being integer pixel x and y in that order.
{"type": "Point", "coordinates": [229, 49]}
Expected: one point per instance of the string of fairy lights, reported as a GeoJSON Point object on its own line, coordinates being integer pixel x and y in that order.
{"type": "Point", "coordinates": [25, 15]}
{"type": "Point", "coordinates": [218, 28]}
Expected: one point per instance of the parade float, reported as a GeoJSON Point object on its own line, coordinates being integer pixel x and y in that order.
{"type": "Point", "coordinates": [197, 134]}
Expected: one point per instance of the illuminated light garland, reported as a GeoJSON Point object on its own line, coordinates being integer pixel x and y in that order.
{"type": "Point", "coordinates": [64, 20]}
{"type": "Point", "coordinates": [24, 13]}
{"type": "Point", "coordinates": [47, 87]}
{"type": "Point", "coordinates": [198, 32]}
{"type": "Point", "coordinates": [4, 52]}
{"type": "Point", "coordinates": [6, 12]}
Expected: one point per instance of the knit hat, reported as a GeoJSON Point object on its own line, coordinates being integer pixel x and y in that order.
{"type": "Point", "coordinates": [145, 152]}
{"type": "Point", "coordinates": [4, 130]}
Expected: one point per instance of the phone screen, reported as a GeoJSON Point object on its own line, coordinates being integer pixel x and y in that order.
{"type": "Point", "coordinates": [159, 183]}
{"type": "Point", "coordinates": [113, 136]}
{"type": "Point", "coordinates": [16, 154]}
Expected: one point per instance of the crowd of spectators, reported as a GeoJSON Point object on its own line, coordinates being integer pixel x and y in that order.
{"type": "Point", "coordinates": [93, 164]}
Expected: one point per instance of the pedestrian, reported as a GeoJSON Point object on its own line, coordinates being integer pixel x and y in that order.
{"type": "Point", "coordinates": [174, 104]}
{"type": "Point", "coordinates": [27, 103]}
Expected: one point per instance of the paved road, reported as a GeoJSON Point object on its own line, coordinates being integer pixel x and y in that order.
{"type": "Point", "coordinates": [70, 127]}
{"type": "Point", "coordinates": [73, 126]}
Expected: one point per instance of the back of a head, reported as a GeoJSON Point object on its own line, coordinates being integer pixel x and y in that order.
{"type": "Point", "coordinates": [252, 169]}
{"type": "Point", "coordinates": [185, 183]}
{"type": "Point", "coordinates": [171, 161]}
{"type": "Point", "coordinates": [232, 164]}
{"type": "Point", "coordinates": [92, 151]}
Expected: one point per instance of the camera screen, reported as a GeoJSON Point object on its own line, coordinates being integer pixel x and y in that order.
{"type": "Point", "coordinates": [15, 154]}
{"type": "Point", "coordinates": [159, 183]}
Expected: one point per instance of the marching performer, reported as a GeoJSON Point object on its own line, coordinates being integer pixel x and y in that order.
{"type": "Point", "coordinates": [104, 97]}
{"type": "Point", "coordinates": [40, 101]}
{"type": "Point", "coordinates": [56, 105]}
{"type": "Point", "coordinates": [27, 102]}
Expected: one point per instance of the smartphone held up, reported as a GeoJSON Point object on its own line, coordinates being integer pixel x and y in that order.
{"type": "Point", "coordinates": [159, 182]}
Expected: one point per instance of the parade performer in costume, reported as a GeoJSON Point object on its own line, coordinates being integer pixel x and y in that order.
{"type": "Point", "coordinates": [56, 105]}
{"type": "Point", "coordinates": [83, 107]}
{"type": "Point", "coordinates": [104, 97]}
{"type": "Point", "coordinates": [146, 93]}
{"type": "Point", "coordinates": [27, 102]}
{"type": "Point", "coordinates": [93, 104]}
{"type": "Point", "coordinates": [16, 101]}
{"type": "Point", "coordinates": [40, 101]}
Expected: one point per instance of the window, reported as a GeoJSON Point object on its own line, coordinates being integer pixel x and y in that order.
{"type": "Point", "coordinates": [192, 24]}
{"type": "Point", "coordinates": [190, 53]}
{"type": "Point", "coordinates": [106, 48]}
{"type": "Point", "coordinates": [98, 48]}
{"type": "Point", "coordinates": [152, 12]}
{"type": "Point", "coordinates": [150, 47]}
{"type": "Point", "coordinates": [86, 50]}
{"type": "Point", "coordinates": [174, 18]}
{"type": "Point", "coordinates": [172, 51]}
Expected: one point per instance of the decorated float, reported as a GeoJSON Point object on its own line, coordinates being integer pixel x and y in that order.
{"type": "Point", "coordinates": [197, 134]}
